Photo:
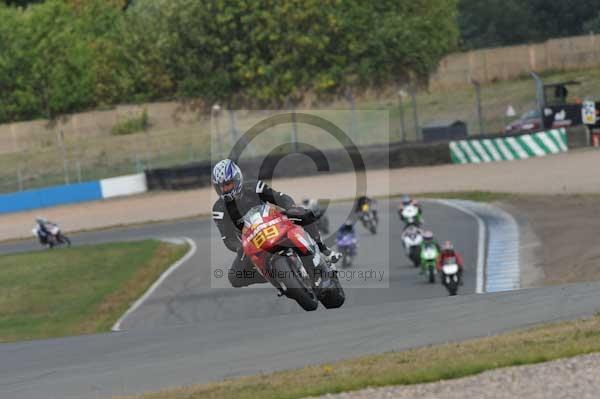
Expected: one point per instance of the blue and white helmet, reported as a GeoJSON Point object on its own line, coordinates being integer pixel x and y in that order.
{"type": "Point", "coordinates": [227, 179]}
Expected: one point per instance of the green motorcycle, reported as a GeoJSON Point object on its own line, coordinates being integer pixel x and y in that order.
{"type": "Point", "coordinates": [429, 256]}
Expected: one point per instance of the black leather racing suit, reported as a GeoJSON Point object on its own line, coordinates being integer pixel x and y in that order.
{"type": "Point", "coordinates": [227, 215]}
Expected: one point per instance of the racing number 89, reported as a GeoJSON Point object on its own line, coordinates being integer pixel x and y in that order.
{"type": "Point", "coordinates": [264, 235]}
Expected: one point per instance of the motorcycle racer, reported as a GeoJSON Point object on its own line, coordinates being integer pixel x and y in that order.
{"type": "Point", "coordinates": [236, 197]}
{"type": "Point", "coordinates": [41, 228]}
{"type": "Point", "coordinates": [407, 201]}
{"type": "Point", "coordinates": [346, 242]}
{"type": "Point", "coordinates": [364, 200]}
{"type": "Point", "coordinates": [428, 240]}
{"type": "Point", "coordinates": [448, 252]}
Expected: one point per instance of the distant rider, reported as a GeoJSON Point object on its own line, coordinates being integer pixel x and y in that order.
{"type": "Point", "coordinates": [42, 229]}
{"type": "Point", "coordinates": [428, 240]}
{"type": "Point", "coordinates": [345, 229]}
{"type": "Point", "coordinates": [236, 197]}
{"type": "Point", "coordinates": [364, 200]}
{"type": "Point", "coordinates": [407, 201]}
{"type": "Point", "coordinates": [449, 253]}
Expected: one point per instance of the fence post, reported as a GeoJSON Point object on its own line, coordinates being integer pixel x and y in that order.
{"type": "Point", "coordinates": [19, 178]}
{"type": "Point", "coordinates": [478, 99]}
{"type": "Point", "coordinates": [60, 137]}
{"type": "Point", "coordinates": [350, 99]}
{"type": "Point", "coordinates": [214, 119]}
{"type": "Point", "coordinates": [401, 95]}
{"type": "Point", "coordinates": [294, 131]}
{"type": "Point", "coordinates": [78, 164]}
{"type": "Point", "coordinates": [232, 127]}
{"type": "Point", "coordinates": [413, 95]}
{"type": "Point", "coordinates": [148, 150]}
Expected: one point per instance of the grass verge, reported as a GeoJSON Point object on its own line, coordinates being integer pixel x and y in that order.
{"type": "Point", "coordinates": [428, 364]}
{"type": "Point", "coordinates": [77, 290]}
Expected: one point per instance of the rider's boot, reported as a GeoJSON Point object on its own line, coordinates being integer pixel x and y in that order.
{"type": "Point", "coordinates": [331, 255]}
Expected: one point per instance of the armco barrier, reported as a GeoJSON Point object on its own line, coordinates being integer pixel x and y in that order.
{"type": "Point", "coordinates": [50, 196]}
{"type": "Point", "coordinates": [73, 193]}
{"type": "Point", "coordinates": [509, 148]}
{"type": "Point", "coordinates": [123, 185]}
{"type": "Point", "coordinates": [393, 155]}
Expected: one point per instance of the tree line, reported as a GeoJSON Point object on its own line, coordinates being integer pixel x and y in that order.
{"type": "Point", "coordinates": [492, 23]}
{"type": "Point", "coordinates": [64, 56]}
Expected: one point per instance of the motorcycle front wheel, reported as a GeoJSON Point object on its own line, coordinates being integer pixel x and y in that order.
{"type": "Point", "coordinates": [431, 273]}
{"type": "Point", "coordinates": [451, 285]}
{"type": "Point", "coordinates": [294, 285]}
{"type": "Point", "coordinates": [373, 228]}
{"type": "Point", "coordinates": [64, 239]}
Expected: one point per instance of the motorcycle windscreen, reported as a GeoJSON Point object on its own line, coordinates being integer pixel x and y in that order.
{"type": "Point", "coordinates": [429, 252]}
{"type": "Point", "coordinates": [301, 240]}
{"type": "Point", "coordinates": [410, 212]}
{"type": "Point", "coordinates": [451, 260]}
{"type": "Point", "coordinates": [264, 229]}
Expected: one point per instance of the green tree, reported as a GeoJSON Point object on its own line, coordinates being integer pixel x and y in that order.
{"type": "Point", "coordinates": [506, 22]}
{"type": "Point", "coordinates": [563, 18]}
{"type": "Point", "coordinates": [592, 25]}
{"type": "Point", "coordinates": [145, 46]}
{"type": "Point", "coordinates": [64, 56]}
{"type": "Point", "coordinates": [267, 52]}
{"type": "Point", "coordinates": [494, 23]}
{"type": "Point", "coordinates": [21, 3]}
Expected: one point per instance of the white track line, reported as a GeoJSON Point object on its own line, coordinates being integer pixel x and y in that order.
{"type": "Point", "coordinates": [479, 289]}
{"type": "Point", "coordinates": [157, 283]}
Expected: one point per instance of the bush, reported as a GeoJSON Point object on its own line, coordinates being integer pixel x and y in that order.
{"type": "Point", "coordinates": [133, 125]}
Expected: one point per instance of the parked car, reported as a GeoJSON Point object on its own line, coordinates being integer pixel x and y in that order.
{"type": "Point", "coordinates": [528, 122]}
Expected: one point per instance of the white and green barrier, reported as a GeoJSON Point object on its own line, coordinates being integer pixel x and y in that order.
{"type": "Point", "coordinates": [509, 148]}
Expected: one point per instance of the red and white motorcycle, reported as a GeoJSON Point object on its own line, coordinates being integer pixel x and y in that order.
{"type": "Point", "coordinates": [451, 275]}
{"type": "Point", "coordinates": [289, 258]}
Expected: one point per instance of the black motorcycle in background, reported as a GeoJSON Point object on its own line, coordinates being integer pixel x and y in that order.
{"type": "Point", "coordinates": [367, 217]}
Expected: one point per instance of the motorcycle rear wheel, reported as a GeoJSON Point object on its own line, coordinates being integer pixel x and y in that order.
{"type": "Point", "coordinates": [324, 224]}
{"type": "Point", "coordinates": [431, 273]}
{"type": "Point", "coordinates": [415, 257]}
{"type": "Point", "coordinates": [296, 287]}
{"type": "Point", "coordinates": [346, 260]}
{"type": "Point", "coordinates": [452, 289]}
{"type": "Point", "coordinates": [333, 297]}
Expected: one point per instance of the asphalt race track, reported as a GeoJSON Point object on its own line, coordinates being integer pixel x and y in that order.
{"type": "Point", "coordinates": [190, 333]}
{"type": "Point", "coordinates": [187, 297]}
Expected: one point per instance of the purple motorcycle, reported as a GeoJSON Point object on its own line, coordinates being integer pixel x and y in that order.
{"type": "Point", "coordinates": [346, 243]}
